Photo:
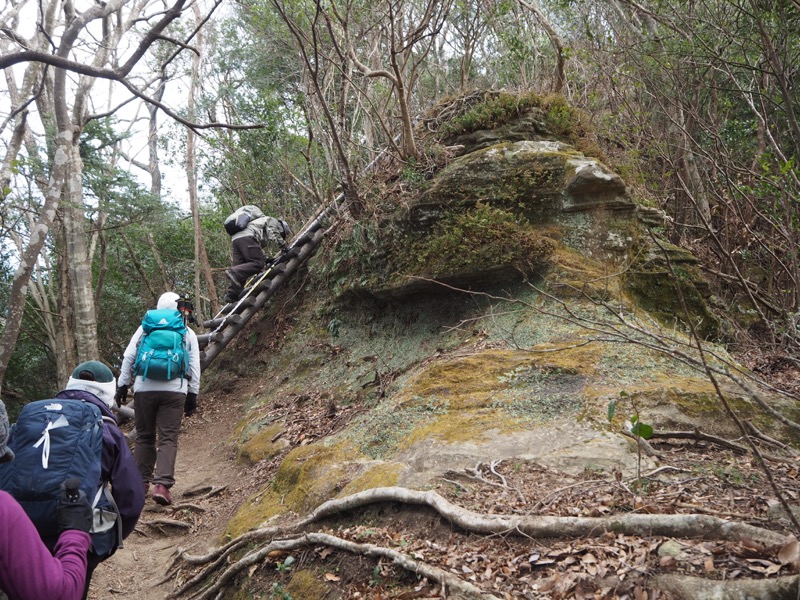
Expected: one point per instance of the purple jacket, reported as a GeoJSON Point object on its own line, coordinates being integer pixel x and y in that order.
{"type": "Point", "coordinates": [27, 570]}
{"type": "Point", "coordinates": [118, 466]}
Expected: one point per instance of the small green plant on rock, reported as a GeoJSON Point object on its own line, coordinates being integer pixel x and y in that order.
{"type": "Point", "coordinates": [285, 565]}
{"type": "Point", "coordinates": [635, 428]}
{"type": "Point", "coordinates": [278, 593]}
{"type": "Point", "coordinates": [494, 111]}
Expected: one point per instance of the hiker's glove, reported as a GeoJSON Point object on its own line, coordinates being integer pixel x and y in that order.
{"type": "Point", "coordinates": [74, 511]}
{"type": "Point", "coordinates": [121, 395]}
{"type": "Point", "coordinates": [190, 405]}
{"type": "Point", "coordinates": [285, 249]}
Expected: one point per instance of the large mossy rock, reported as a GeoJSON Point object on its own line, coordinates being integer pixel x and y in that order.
{"type": "Point", "coordinates": [538, 179]}
{"type": "Point", "coordinates": [521, 293]}
{"type": "Point", "coordinates": [514, 202]}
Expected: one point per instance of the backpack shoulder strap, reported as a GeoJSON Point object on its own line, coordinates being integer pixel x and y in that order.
{"type": "Point", "coordinates": [104, 492]}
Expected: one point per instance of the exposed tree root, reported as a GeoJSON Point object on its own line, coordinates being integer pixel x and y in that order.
{"type": "Point", "coordinates": [697, 588]}
{"type": "Point", "coordinates": [476, 473]}
{"type": "Point", "coordinates": [686, 526]}
{"type": "Point", "coordinates": [187, 506]}
{"type": "Point", "coordinates": [159, 523]}
{"type": "Point", "coordinates": [203, 492]}
{"type": "Point", "coordinates": [462, 588]}
{"type": "Point", "coordinates": [700, 436]}
{"type": "Point", "coordinates": [668, 525]}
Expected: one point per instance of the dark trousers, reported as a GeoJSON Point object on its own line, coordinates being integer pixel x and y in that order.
{"type": "Point", "coordinates": [247, 258]}
{"type": "Point", "coordinates": [157, 416]}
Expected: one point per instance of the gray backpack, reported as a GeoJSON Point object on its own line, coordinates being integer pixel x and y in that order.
{"type": "Point", "coordinates": [237, 221]}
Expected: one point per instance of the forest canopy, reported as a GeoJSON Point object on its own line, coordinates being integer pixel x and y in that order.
{"type": "Point", "coordinates": [131, 130]}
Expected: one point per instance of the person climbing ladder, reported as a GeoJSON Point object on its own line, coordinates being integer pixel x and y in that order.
{"type": "Point", "coordinates": [251, 230]}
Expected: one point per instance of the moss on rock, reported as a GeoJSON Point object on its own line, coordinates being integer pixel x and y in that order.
{"type": "Point", "coordinates": [382, 474]}
{"type": "Point", "coordinates": [305, 585]}
{"type": "Point", "coordinates": [485, 117]}
{"type": "Point", "coordinates": [481, 246]}
{"type": "Point", "coordinates": [310, 475]}
{"type": "Point", "coordinates": [261, 445]}
{"type": "Point", "coordinates": [666, 281]}
{"type": "Point", "coordinates": [257, 509]}
{"type": "Point", "coordinates": [524, 176]}
{"type": "Point", "coordinates": [482, 238]}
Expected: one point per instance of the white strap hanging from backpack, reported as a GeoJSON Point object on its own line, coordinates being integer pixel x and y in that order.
{"type": "Point", "coordinates": [44, 441]}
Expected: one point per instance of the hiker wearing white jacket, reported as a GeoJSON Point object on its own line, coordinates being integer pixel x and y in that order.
{"type": "Point", "coordinates": [160, 403]}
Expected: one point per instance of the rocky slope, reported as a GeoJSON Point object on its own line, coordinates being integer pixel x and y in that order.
{"type": "Point", "coordinates": [511, 303]}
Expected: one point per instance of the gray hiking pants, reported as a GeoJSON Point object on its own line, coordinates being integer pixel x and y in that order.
{"type": "Point", "coordinates": [157, 416]}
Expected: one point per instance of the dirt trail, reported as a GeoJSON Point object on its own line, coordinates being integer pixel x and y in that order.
{"type": "Point", "coordinates": [205, 458]}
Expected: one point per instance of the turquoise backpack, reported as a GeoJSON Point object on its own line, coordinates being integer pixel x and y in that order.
{"type": "Point", "coordinates": [162, 353]}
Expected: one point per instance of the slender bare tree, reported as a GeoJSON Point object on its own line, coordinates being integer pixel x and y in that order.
{"type": "Point", "coordinates": [66, 43]}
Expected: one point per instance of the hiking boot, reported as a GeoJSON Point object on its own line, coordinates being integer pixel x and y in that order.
{"type": "Point", "coordinates": [161, 495]}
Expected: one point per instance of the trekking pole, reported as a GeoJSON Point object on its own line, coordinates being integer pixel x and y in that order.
{"type": "Point", "coordinates": [248, 290]}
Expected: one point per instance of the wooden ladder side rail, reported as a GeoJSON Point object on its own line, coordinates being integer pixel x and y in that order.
{"type": "Point", "coordinates": [232, 324]}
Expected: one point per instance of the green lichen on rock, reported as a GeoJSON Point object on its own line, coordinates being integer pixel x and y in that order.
{"type": "Point", "coordinates": [382, 474]}
{"type": "Point", "coordinates": [379, 432]}
{"type": "Point", "coordinates": [460, 399]}
{"type": "Point", "coordinates": [261, 445]}
{"type": "Point", "coordinates": [666, 282]}
{"type": "Point", "coordinates": [469, 382]}
{"type": "Point", "coordinates": [457, 427]}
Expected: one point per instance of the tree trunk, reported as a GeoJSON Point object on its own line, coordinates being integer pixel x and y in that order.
{"type": "Point", "coordinates": [79, 264]}
{"type": "Point", "coordinates": [63, 340]}
{"type": "Point", "coordinates": [27, 261]}
{"type": "Point", "coordinates": [559, 77]}
{"type": "Point", "coordinates": [152, 143]}
{"type": "Point", "coordinates": [200, 257]}
{"type": "Point", "coordinates": [166, 284]}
